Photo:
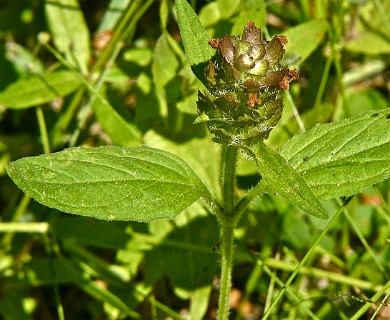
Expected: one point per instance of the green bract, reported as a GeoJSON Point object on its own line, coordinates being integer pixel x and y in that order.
{"type": "Point", "coordinates": [244, 82]}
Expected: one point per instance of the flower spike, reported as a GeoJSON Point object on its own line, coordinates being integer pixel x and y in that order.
{"type": "Point", "coordinates": [245, 79]}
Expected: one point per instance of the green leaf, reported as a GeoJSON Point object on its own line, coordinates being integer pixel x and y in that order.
{"type": "Point", "coordinates": [252, 10]}
{"type": "Point", "coordinates": [185, 253]}
{"type": "Point", "coordinates": [115, 9]}
{"type": "Point", "coordinates": [121, 132]}
{"type": "Point", "coordinates": [305, 38]}
{"type": "Point", "coordinates": [165, 67]}
{"type": "Point", "coordinates": [227, 7]}
{"type": "Point", "coordinates": [369, 43]}
{"type": "Point", "coordinates": [195, 38]}
{"type": "Point", "coordinates": [371, 32]}
{"type": "Point", "coordinates": [24, 61]}
{"type": "Point", "coordinates": [284, 180]}
{"type": "Point", "coordinates": [70, 32]}
{"type": "Point", "coordinates": [38, 89]}
{"type": "Point", "coordinates": [110, 183]}
{"type": "Point", "coordinates": [343, 158]}
{"type": "Point", "coordinates": [200, 154]}
{"type": "Point", "coordinates": [46, 271]}
{"type": "Point", "coordinates": [176, 85]}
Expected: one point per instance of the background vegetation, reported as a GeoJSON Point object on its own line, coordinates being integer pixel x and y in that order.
{"type": "Point", "coordinates": [55, 56]}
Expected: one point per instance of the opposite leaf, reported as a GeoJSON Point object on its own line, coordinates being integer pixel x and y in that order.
{"type": "Point", "coordinates": [284, 180]}
{"type": "Point", "coordinates": [342, 158]}
{"type": "Point", "coordinates": [110, 183]}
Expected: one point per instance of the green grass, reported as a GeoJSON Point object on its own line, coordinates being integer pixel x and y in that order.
{"type": "Point", "coordinates": [62, 86]}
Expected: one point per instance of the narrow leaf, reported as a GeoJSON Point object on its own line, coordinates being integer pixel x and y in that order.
{"type": "Point", "coordinates": [252, 10]}
{"type": "Point", "coordinates": [305, 38]}
{"type": "Point", "coordinates": [115, 9]}
{"type": "Point", "coordinates": [110, 183]}
{"type": "Point", "coordinates": [37, 89]}
{"type": "Point", "coordinates": [287, 182]}
{"type": "Point", "coordinates": [121, 132]}
{"type": "Point", "coordinates": [227, 7]}
{"type": "Point", "coordinates": [69, 30]}
{"type": "Point", "coordinates": [195, 38]}
{"type": "Point", "coordinates": [343, 158]}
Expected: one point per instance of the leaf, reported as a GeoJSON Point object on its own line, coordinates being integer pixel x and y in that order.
{"type": "Point", "coordinates": [200, 299]}
{"type": "Point", "coordinates": [363, 100]}
{"type": "Point", "coordinates": [110, 183]}
{"type": "Point", "coordinates": [368, 43]}
{"type": "Point", "coordinates": [227, 7]}
{"type": "Point", "coordinates": [195, 38]}
{"type": "Point", "coordinates": [371, 32]}
{"type": "Point", "coordinates": [89, 232]}
{"type": "Point", "coordinates": [121, 132]}
{"type": "Point", "coordinates": [305, 38]}
{"type": "Point", "coordinates": [69, 30]}
{"type": "Point", "coordinates": [210, 18]}
{"type": "Point", "coordinates": [165, 68]}
{"type": "Point", "coordinates": [46, 271]}
{"type": "Point", "coordinates": [176, 86]}
{"type": "Point", "coordinates": [286, 181]}
{"type": "Point", "coordinates": [252, 10]}
{"type": "Point", "coordinates": [201, 154]}
{"type": "Point", "coordinates": [38, 89]}
{"type": "Point", "coordinates": [24, 61]}
{"type": "Point", "coordinates": [185, 253]}
{"type": "Point", "coordinates": [342, 158]}
{"type": "Point", "coordinates": [112, 14]}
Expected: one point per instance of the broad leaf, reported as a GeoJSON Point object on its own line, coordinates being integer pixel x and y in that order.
{"type": "Point", "coordinates": [110, 183]}
{"type": "Point", "coordinates": [201, 154]}
{"type": "Point", "coordinates": [284, 180]}
{"type": "Point", "coordinates": [195, 38]}
{"type": "Point", "coordinates": [69, 30]}
{"type": "Point", "coordinates": [343, 158]}
{"type": "Point", "coordinates": [37, 89]}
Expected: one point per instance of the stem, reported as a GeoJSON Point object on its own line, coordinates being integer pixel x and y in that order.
{"type": "Point", "coordinates": [228, 178]}
{"type": "Point", "coordinates": [43, 130]}
{"type": "Point", "coordinates": [228, 221]}
{"type": "Point", "coordinates": [227, 237]}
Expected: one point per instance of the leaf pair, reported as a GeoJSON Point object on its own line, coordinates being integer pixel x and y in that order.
{"type": "Point", "coordinates": [145, 184]}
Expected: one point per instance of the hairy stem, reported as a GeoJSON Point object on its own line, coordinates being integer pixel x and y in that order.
{"type": "Point", "coordinates": [228, 178]}
{"type": "Point", "coordinates": [227, 237]}
{"type": "Point", "coordinates": [228, 222]}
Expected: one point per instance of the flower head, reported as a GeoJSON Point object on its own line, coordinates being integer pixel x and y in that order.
{"type": "Point", "coordinates": [244, 82]}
